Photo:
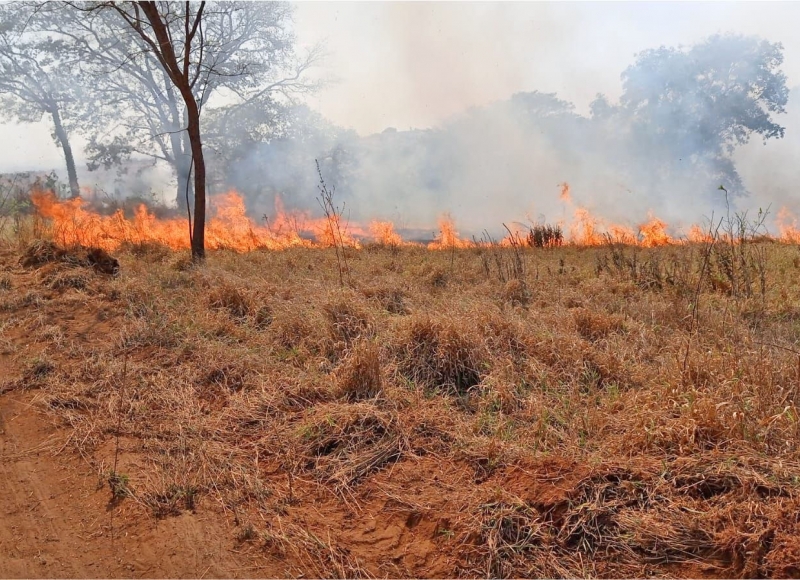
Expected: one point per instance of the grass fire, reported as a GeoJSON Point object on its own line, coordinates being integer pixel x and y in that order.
{"type": "Point", "coordinates": [501, 409]}
{"type": "Point", "coordinates": [71, 222]}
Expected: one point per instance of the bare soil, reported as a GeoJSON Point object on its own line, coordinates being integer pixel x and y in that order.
{"type": "Point", "coordinates": [57, 522]}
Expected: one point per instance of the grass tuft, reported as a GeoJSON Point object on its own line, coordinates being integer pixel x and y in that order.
{"type": "Point", "coordinates": [439, 355]}
{"type": "Point", "coordinates": [359, 376]}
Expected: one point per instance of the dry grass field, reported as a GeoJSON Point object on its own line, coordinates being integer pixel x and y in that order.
{"type": "Point", "coordinates": [582, 412]}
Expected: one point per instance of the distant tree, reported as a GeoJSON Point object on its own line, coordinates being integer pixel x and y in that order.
{"type": "Point", "coordinates": [264, 156]}
{"type": "Point", "coordinates": [697, 105]}
{"type": "Point", "coordinates": [242, 54]}
{"type": "Point", "coordinates": [38, 77]}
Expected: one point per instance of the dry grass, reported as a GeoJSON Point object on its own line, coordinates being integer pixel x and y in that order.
{"type": "Point", "coordinates": [359, 377]}
{"type": "Point", "coordinates": [433, 420]}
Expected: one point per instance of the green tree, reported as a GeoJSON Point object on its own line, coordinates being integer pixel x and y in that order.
{"type": "Point", "coordinates": [698, 104]}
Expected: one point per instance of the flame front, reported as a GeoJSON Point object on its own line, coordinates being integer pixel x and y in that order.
{"type": "Point", "coordinates": [787, 226]}
{"type": "Point", "coordinates": [383, 233]}
{"type": "Point", "coordinates": [654, 233]}
{"type": "Point", "coordinates": [229, 227]}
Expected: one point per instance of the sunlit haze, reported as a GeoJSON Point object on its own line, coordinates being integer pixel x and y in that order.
{"type": "Point", "coordinates": [413, 64]}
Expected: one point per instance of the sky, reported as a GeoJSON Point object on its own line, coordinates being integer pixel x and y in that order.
{"type": "Point", "coordinates": [415, 64]}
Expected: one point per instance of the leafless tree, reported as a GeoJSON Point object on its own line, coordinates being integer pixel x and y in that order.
{"type": "Point", "coordinates": [36, 79]}
{"type": "Point", "coordinates": [243, 56]}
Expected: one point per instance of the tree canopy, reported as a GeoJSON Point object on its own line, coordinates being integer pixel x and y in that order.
{"type": "Point", "coordinates": [37, 77]}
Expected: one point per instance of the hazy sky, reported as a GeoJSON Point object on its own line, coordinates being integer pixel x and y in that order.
{"type": "Point", "coordinates": [411, 64]}
{"type": "Point", "coordinates": [414, 64]}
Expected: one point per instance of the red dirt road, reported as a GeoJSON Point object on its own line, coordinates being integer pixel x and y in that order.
{"type": "Point", "coordinates": [55, 520]}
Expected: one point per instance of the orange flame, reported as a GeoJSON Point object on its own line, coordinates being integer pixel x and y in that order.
{"type": "Point", "coordinates": [654, 233]}
{"type": "Point", "coordinates": [565, 195]}
{"type": "Point", "coordinates": [383, 233]}
{"type": "Point", "coordinates": [787, 226]}
{"type": "Point", "coordinates": [588, 230]}
{"type": "Point", "coordinates": [228, 228]}
{"type": "Point", "coordinates": [448, 236]}
{"type": "Point", "coordinates": [584, 230]}
{"type": "Point", "coordinates": [699, 235]}
{"type": "Point", "coordinates": [72, 222]}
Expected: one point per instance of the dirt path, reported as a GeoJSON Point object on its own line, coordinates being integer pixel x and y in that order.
{"type": "Point", "coordinates": [55, 520]}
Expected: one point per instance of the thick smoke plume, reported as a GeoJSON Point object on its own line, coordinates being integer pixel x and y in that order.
{"type": "Point", "coordinates": [688, 119]}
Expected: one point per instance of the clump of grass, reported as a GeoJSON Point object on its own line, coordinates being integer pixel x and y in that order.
{"type": "Point", "coordinates": [596, 325]}
{"type": "Point", "coordinates": [359, 376]}
{"type": "Point", "coordinates": [151, 329]}
{"type": "Point", "coordinates": [437, 278]}
{"type": "Point", "coordinates": [246, 533]}
{"type": "Point", "coordinates": [39, 367]}
{"type": "Point", "coordinates": [148, 251]}
{"type": "Point", "coordinates": [392, 299]}
{"type": "Point", "coordinates": [290, 330]}
{"type": "Point", "coordinates": [516, 292]}
{"type": "Point", "coordinates": [41, 252]}
{"type": "Point", "coordinates": [171, 501]}
{"type": "Point", "coordinates": [348, 322]}
{"type": "Point", "coordinates": [34, 375]}
{"type": "Point", "coordinates": [64, 279]}
{"type": "Point", "coordinates": [342, 443]}
{"type": "Point", "coordinates": [439, 355]}
{"type": "Point", "coordinates": [545, 236]}
{"type": "Point", "coordinates": [29, 299]}
{"type": "Point", "coordinates": [182, 264]}
{"type": "Point", "coordinates": [263, 316]}
{"type": "Point", "coordinates": [511, 534]}
{"type": "Point", "coordinates": [119, 484]}
{"type": "Point", "coordinates": [237, 302]}
{"type": "Point", "coordinates": [231, 377]}
{"type": "Point", "coordinates": [322, 558]}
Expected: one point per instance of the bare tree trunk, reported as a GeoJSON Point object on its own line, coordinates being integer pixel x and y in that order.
{"type": "Point", "coordinates": [199, 226]}
{"type": "Point", "coordinates": [165, 52]}
{"type": "Point", "coordinates": [63, 140]}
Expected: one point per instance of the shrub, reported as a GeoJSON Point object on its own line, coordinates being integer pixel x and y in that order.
{"type": "Point", "coordinates": [545, 236]}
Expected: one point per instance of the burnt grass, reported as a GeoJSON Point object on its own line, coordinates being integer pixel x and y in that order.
{"type": "Point", "coordinates": [586, 413]}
